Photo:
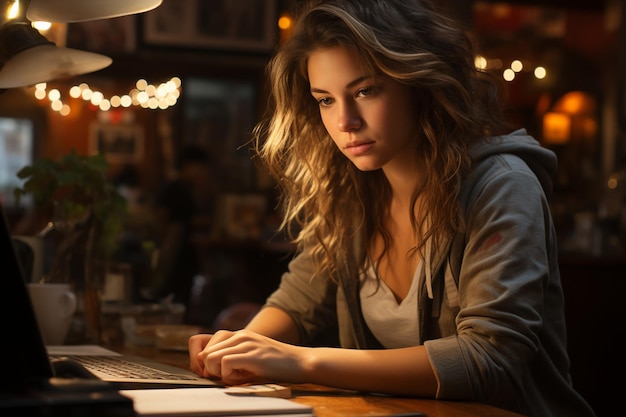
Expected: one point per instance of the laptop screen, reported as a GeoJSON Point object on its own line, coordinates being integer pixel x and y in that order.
{"type": "Point", "coordinates": [25, 359]}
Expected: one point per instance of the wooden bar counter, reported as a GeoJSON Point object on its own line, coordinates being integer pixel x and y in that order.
{"type": "Point", "coordinates": [330, 402]}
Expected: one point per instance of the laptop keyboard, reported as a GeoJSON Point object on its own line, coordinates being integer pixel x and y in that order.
{"type": "Point", "coordinates": [119, 368]}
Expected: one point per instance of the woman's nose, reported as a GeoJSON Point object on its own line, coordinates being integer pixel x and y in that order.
{"type": "Point", "coordinates": [349, 119]}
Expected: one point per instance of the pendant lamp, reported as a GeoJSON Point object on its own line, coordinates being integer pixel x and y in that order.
{"type": "Point", "coordinates": [65, 11]}
{"type": "Point", "coordinates": [29, 58]}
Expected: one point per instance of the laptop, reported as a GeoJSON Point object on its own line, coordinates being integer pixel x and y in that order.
{"type": "Point", "coordinates": [27, 360]}
{"type": "Point", "coordinates": [59, 381]}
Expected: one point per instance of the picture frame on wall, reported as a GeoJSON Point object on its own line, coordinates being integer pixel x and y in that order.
{"type": "Point", "coordinates": [120, 143]}
{"type": "Point", "coordinates": [244, 25]}
{"type": "Point", "coordinates": [241, 216]}
{"type": "Point", "coordinates": [117, 35]}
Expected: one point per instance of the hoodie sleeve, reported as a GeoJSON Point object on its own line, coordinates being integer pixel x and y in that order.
{"type": "Point", "coordinates": [504, 275]}
{"type": "Point", "coordinates": [311, 303]}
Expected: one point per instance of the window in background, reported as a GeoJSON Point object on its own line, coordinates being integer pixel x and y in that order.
{"type": "Point", "coordinates": [16, 151]}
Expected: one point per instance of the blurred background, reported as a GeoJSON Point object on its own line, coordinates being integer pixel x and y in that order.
{"type": "Point", "coordinates": [186, 85]}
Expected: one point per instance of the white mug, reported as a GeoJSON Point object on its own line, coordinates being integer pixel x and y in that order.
{"type": "Point", "coordinates": [54, 306]}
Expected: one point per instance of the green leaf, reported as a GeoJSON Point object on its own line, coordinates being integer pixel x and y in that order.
{"type": "Point", "coordinates": [75, 184]}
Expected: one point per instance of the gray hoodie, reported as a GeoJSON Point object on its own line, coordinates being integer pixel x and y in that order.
{"type": "Point", "coordinates": [490, 302]}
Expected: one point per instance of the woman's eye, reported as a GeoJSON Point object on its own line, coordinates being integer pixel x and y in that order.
{"type": "Point", "coordinates": [324, 101]}
{"type": "Point", "coordinates": [365, 92]}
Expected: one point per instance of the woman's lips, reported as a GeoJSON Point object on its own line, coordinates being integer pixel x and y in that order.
{"type": "Point", "coordinates": [358, 148]}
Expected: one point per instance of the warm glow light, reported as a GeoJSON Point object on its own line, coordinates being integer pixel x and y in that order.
{"type": "Point", "coordinates": [42, 26]}
{"type": "Point", "coordinates": [284, 22]}
{"type": "Point", "coordinates": [149, 96]}
{"type": "Point", "coordinates": [540, 73]}
{"type": "Point", "coordinates": [126, 101]}
{"type": "Point", "coordinates": [576, 102]}
{"type": "Point", "coordinates": [75, 92]}
{"type": "Point", "coordinates": [14, 10]}
{"type": "Point", "coordinates": [142, 97]}
{"type": "Point", "coordinates": [151, 90]}
{"type": "Point", "coordinates": [116, 101]}
{"type": "Point", "coordinates": [105, 105]}
{"type": "Point", "coordinates": [170, 86]}
{"type": "Point", "coordinates": [480, 62]}
{"type": "Point", "coordinates": [517, 65]}
{"type": "Point", "coordinates": [556, 127]}
{"type": "Point", "coordinates": [54, 95]}
{"type": "Point", "coordinates": [56, 105]}
{"type": "Point", "coordinates": [65, 110]}
{"type": "Point", "coordinates": [508, 74]}
{"type": "Point", "coordinates": [96, 98]}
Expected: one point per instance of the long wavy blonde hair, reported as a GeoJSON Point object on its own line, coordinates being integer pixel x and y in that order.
{"type": "Point", "coordinates": [325, 198]}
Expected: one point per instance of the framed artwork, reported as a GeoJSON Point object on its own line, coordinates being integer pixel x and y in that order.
{"type": "Point", "coordinates": [242, 216]}
{"type": "Point", "coordinates": [120, 143]}
{"type": "Point", "coordinates": [117, 35]}
{"type": "Point", "coordinates": [246, 25]}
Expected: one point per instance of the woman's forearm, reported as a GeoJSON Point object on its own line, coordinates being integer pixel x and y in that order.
{"type": "Point", "coordinates": [405, 371]}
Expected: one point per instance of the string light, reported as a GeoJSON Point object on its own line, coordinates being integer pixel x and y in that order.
{"type": "Point", "coordinates": [517, 65]}
{"type": "Point", "coordinates": [540, 73]}
{"type": "Point", "coordinates": [510, 73]}
{"type": "Point", "coordinates": [145, 95]}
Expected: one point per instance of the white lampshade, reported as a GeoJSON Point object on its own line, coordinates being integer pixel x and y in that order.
{"type": "Point", "coordinates": [83, 10]}
{"type": "Point", "coordinates": [47, 62]}
{"type": "Point", "coordinates": [28, 58]}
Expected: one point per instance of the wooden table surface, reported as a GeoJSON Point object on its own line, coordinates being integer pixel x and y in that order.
{"type": "Point", "coordinates": [330, 402]}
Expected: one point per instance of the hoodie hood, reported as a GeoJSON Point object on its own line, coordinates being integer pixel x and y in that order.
{"type": "Point", "coordinates": [541, 161]}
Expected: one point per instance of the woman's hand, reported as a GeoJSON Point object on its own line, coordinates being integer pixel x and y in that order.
{"type": "Point", "coordinates": [244, 357]}
{"type": "Point", "coordinates": [196, 343]}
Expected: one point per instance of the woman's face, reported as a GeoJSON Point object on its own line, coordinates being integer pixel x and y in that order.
{"type": "Point", "coordinates": [372, 120]}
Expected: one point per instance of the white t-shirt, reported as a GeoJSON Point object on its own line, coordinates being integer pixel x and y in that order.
{"type": "Point", "coordinates": [394, 324]}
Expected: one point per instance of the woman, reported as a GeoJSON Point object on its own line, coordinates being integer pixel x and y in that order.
{"type": "Point", "coordinates": [424, 231]}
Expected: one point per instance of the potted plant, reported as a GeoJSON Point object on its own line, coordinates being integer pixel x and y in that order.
{"type": "Point", "coordinates": [86, 212]}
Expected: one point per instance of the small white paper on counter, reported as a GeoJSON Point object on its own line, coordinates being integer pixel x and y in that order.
{"type": "Point", "coordinates": [263, 390]}
{"type": "Point", "coordinates": [209, 402]}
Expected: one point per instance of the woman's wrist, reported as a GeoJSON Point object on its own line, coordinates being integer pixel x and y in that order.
{"type": "Point", "coordinates": [310, 364]}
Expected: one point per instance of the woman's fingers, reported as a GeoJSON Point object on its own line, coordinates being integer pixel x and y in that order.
{"type": "Point", "coordinates": [244, 356]}
{"type": "Point", "coordinates": [196, 344]}
{"type": "Point", "coordinates": [217, 356]}
{"type": "Point", "coordinates": [230, 354]}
